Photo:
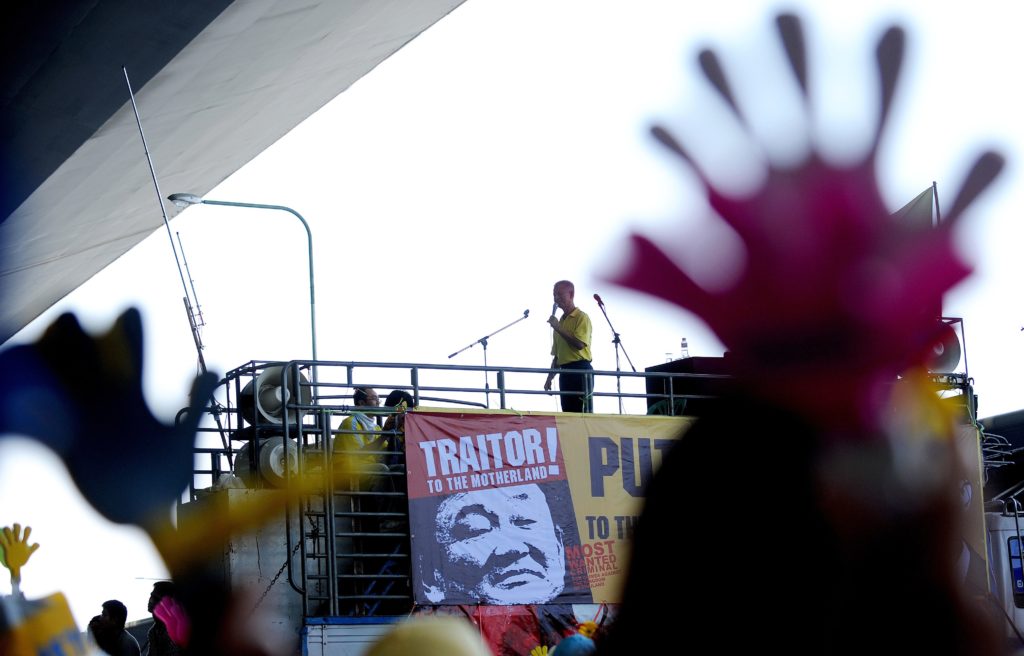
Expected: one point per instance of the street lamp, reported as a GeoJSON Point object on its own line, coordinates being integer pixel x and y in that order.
{"type": "Point", "coordinates": [184, 200]}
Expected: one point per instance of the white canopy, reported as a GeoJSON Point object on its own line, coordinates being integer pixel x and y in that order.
{"type": "Point", "coordinates": [216, 83]}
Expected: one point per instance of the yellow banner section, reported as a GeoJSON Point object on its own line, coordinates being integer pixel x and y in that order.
{"type": "Point", "coordinates": [609, 460]}
{"type": "Point", "coordinates": [40, 627]}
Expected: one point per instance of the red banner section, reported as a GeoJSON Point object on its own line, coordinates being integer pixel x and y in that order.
{"type": "Point", "coordinates": [449, 453]}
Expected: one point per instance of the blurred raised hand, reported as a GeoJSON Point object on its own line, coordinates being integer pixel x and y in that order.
{"type": "Point", "coordinates": [831, 443]}
{"type": "Point", "coordinates": [829, 282]}
{"type": "Point", "coordinates": [82, 396]}
{"type": "Point", "coordinates": [175, 619]}
{"type": "Point", "coordinates": [16, 549]}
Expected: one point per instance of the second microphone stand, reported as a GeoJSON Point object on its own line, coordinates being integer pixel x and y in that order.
{"type": "Point", "coordinates": [483, 342]}
{"type": "Point", "coordinates": [617, 340]}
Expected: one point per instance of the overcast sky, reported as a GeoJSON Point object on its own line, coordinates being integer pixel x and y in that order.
{"type": "Point", "coordinates": [504, 149]}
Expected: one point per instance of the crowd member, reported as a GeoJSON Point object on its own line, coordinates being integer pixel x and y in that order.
{"type": "Point", "coordinates": [431, 635]}
{"type": "Point", "coordinates": [570, 349]}
{"type": "Point", "coordinates": [158, 640]}
{"type": "Point", "coordinates": [108, 630]}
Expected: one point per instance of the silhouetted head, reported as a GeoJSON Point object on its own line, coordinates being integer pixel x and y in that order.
{"type": "Point", "coordinates": [115, 613]}
{"type": "Point", "coordinates": [161, 589]}
{"type": "Point", "coordinates": [398, 396]}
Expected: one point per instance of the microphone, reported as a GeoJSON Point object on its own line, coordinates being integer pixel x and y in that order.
{"type": "Point", "coordinates": [554, 306]}
{"type": "Point", "coordinates": [598, 299]}
{"type": "Point", "coordinates": [526, 313]}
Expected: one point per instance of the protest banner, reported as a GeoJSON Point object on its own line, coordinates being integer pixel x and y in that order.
{"type": "Point", "coordinates": [511, 508]}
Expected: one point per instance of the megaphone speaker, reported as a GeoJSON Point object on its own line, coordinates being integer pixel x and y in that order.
{"type": "Point", "coordinates": [945, 352]}
{"type": "Point", "coordinates": [273, 460]}
{"type": "Point", "coordinates": [270, 394]}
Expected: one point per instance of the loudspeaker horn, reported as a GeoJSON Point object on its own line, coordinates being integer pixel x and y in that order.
{"type": "Point", "coordinates": [946, 351]}
{"type": "Point", "coordinates": [272, 395]}
{"type": "Point", "coordinates": [272, 458]}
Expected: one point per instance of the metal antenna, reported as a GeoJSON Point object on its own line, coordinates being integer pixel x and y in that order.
{"type": "Point", "coordinates": [190, 310]}
{"type": "Point", "coordinates": [196, 308]}
{"type": "Point", "coordinates": [163, 212]}
{"type": "Point", "coordinates": [156, 184]}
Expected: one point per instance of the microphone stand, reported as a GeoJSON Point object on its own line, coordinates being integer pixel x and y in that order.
{"type": "Point", "coordinates": [618, 344]}
{"type": "Point", "coordinates": [483, 342]}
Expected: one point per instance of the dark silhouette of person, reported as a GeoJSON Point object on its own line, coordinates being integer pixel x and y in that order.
{"type": "Point", "coordinates": [400, 401]}
{"type": "Point", "coordinates": [158, 641]}
{"type": "Point", "coordinates": [801, 561]}
{"type": "Point", "coordinates": [108, 630]}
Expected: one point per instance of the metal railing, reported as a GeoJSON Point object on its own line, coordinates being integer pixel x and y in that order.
{"type": "Point", "coordinates": [244, 415]}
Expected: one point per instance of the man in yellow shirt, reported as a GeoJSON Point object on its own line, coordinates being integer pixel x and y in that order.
{"type": "Point", "coordinates": [570, 349]}
{"type": "Point", "coordinates": [360, 449]}
{"type": "Point", "coordinates": [361, 432]}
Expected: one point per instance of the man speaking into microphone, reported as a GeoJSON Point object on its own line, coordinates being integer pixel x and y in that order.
{"type": "Point", "coordinates": [570, 349]}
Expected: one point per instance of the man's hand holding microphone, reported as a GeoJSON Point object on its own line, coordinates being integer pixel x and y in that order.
{"type": "Point", "coordinates": [553, 322]}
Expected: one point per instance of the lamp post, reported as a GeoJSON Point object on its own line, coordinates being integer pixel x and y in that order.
{"type": "Point", "coordinates": [184, 200]}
